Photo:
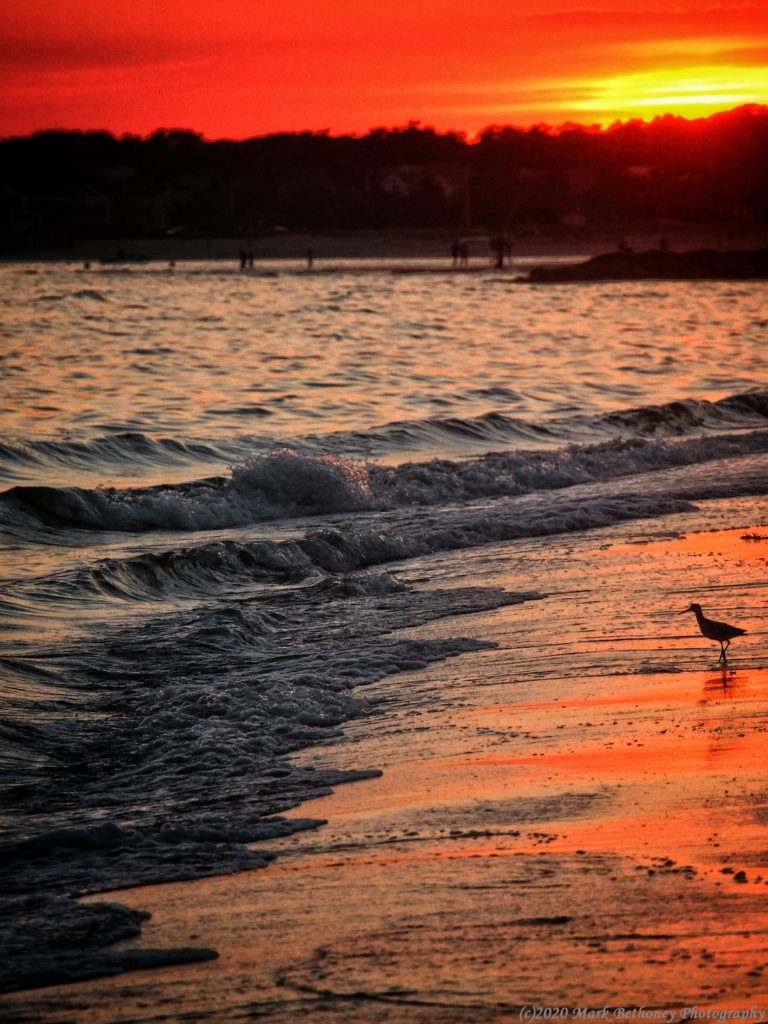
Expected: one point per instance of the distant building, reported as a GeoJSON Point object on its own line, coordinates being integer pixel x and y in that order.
{"type": "Point", "coordinates": [17, 220]}
{"type": "Point", "coordinates": [575, 219]}
{"type": "Point", "coordinates": [69, 206]}
{"type": "Point", "coordinates": [404, 180]}
{"type": "Point", "coordinates": [57, 214]}
{"type": "Point", "coordinates": [639, 171]}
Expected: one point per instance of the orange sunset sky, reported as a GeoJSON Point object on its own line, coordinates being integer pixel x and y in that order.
{"type": "Point", "coordinates": [237, 68]}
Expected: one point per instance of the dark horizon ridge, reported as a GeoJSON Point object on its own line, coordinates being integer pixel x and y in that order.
{"type": "Point", "coordinates": [541, 127]}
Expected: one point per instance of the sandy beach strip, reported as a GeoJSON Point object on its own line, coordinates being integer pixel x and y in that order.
{"type": "Point", "coordinates": [575, 820]}
{"type": "Point", "coordinates": [531, 244]}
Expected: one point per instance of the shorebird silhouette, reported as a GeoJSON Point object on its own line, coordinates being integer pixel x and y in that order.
{"type": "Point", "coordinates": [719, 631]}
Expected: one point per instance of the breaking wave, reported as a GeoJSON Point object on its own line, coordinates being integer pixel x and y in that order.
{"type": "Point", "coordinates": [287, 484]}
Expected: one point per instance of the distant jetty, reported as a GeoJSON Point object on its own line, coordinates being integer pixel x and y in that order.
{"type": "Point", "coordinates": [660, 264]}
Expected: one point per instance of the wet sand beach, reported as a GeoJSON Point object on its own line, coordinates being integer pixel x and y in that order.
{"type": "Point", "coordinates": [575, 818]}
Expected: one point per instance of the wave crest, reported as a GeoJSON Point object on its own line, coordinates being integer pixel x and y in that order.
{"type": "Point", "coordinates": [286, 484]}
{"type": "Point", "coordinates": [291, 483]}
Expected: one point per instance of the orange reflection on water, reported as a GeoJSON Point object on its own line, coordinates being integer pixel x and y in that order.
{"type": "Point", "coordinates": [739, 544]}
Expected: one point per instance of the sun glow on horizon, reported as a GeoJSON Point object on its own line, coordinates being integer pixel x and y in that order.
{"type": "Point", "coordinates": [349, 65]}
{"type": "Point", "coordinates": [687, 92]}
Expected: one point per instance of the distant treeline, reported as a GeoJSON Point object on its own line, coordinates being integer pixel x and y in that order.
{"type": "Point", "coordinates": [60, 187]}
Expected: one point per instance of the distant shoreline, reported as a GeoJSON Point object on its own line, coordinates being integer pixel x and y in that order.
{"type": "Point", "coordinates": [660, 265]}
{"type": "Point", "coordinates": [406, 245]}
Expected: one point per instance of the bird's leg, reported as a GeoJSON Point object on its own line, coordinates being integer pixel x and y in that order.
{"type": "Point", "coordinates": [722, 653]}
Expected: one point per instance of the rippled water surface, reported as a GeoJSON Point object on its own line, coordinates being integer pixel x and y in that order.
{"type": "Point", "coordinates": [207, 352]}
{"type": "Point", "coordinates": [224, 496]}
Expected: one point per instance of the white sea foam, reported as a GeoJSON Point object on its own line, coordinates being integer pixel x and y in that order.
{"type": "Point", "coordinates": [286, 484]}
{"type": "Point", "coordinates": [196, 758]}
{"type": "Point", "coordinates": [135, 451]}
{"type": "Point", "coordinates": [291, 483]}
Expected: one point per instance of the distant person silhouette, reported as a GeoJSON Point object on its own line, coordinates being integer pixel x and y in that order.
{"type": "Point", "coordinates": [497, 248]}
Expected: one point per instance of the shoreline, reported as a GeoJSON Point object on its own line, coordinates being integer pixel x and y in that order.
{"type": "Point", "coordinates": [660, 264]}
{"type": "Point", "coordinates": [586, 839]}
{"type": "Point", "coordinates": [293, 246]}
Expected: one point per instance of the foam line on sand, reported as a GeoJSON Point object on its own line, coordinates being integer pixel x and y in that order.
{"type": "Point", "coordinates": [587, 838]}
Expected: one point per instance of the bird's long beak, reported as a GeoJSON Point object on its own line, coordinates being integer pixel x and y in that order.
{"type": "Point", "coordinates": [683, 611]}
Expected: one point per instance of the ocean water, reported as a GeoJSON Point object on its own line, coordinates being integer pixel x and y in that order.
{"type": "Point", "coordinates": [227, 498]}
